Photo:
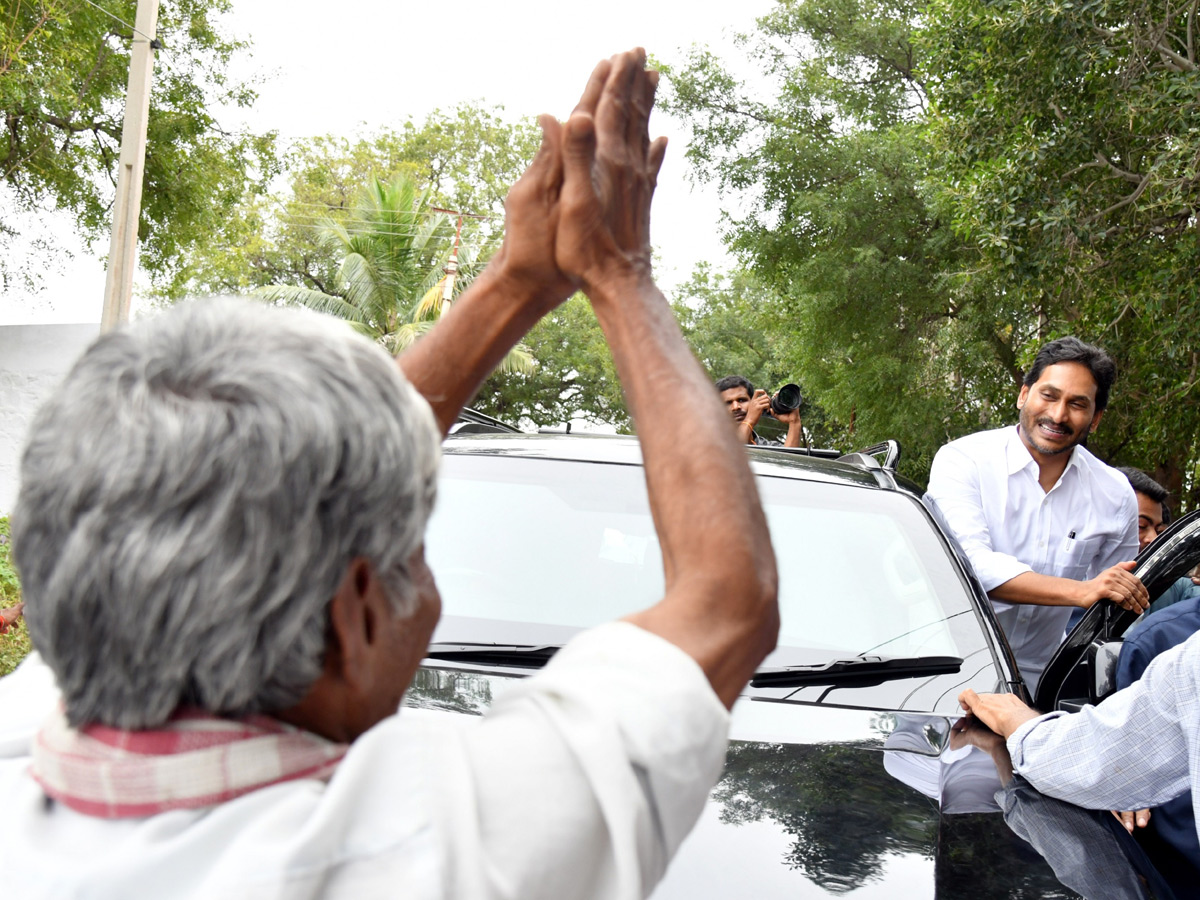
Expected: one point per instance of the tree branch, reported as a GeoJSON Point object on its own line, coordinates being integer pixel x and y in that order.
{"type": "Point", "coordinates": [1117, 170]}
{"type": "Point", "coordinates": [9, 58]}
{"type": "Point", "coordinates": [1120, 204]}
{"type": "Point", "coordinates": [1191, 30]}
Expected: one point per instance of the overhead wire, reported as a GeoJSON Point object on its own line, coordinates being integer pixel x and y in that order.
{"type": "Point", "coordinates": [154, 42]}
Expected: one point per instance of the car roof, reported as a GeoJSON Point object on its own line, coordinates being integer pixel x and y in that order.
{"type": "Point", "coordinates": [624, 450]}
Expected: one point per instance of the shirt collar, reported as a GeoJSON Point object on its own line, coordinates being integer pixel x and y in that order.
{"type": "Point", "coordinates": [1018, 455]}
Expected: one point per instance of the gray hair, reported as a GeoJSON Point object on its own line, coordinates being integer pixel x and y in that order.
{"type": "Point", "coordinates": [191, 497]}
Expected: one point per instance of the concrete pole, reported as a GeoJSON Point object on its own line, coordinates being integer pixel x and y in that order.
{"type": "Point", "coordinates": [122, 251]}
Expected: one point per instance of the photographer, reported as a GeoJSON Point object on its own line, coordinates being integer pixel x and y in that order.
{"type": "Point", "coordinates": [747, 406]}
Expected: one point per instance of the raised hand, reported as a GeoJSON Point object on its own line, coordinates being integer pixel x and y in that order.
{"type": "Point", "coordinates": [531, 213]}
{"type": "Point", "coordinates": [610, 170]}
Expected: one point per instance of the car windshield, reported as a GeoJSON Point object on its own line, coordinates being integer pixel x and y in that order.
{"type": "Point", "coordinates": [517, 541]}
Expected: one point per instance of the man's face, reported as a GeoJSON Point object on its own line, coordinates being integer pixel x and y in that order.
{"type": "Point", "coordinates": [737, 401]}
{"type": "Point", "coordinates": [1058, 410]}
{"type": "Point", "coordinates": [1150, 520]}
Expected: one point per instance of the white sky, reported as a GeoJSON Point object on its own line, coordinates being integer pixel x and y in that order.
{"type": "Point", "coordinates": [362, 64]}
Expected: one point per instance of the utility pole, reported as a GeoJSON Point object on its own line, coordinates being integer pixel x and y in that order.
{"type": "Point", "coordinates": [451, 268]}
{"type": "Point", "coordinates": [122, 251]}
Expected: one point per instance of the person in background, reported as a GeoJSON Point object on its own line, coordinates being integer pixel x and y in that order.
{"type": "Point", "coordinates": [747, 407]}
{"type": "Point", "coordinates": [1153, 518]}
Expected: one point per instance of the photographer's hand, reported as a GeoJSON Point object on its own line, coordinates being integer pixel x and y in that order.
{"type": "Point", "coordinates": [759, 404]}
{"type": "Point", "coordinates": [795, 432]}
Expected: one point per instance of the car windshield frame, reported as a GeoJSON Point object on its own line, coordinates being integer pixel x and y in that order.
{"type": "Point", "coordinates": [504, 532]}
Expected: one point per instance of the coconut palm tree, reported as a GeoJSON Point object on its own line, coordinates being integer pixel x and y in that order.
{"type": "Point", "coordinates": [391, 282]}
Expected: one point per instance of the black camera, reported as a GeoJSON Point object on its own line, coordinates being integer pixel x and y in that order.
{"type": "Point", "coordinates": [786, 399]}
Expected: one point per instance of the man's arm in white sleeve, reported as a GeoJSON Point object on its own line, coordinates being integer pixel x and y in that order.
{"type": "Point", "coordinates": [954, 488]}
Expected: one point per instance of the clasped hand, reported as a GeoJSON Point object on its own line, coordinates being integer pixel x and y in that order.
{"type": "Point", "coordinates": [580, 215]}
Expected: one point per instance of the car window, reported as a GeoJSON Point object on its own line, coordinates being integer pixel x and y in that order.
{"type": "Point", "coordinates": [573, 544]}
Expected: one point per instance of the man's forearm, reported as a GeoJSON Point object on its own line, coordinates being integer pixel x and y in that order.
{"type": "Point", "coordinates": [795, 434]}
{"type": "Point", "coordinates": [1041, 590]}
{"type": "Point", "coordinates": [717, 556]}
{"type": "Point", "coordinates": [448, 365]}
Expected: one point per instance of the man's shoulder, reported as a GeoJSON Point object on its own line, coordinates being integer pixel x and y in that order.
{"type": "Point", "coordinates": [977, 447]}
{"type": "Point", "coordinates": [990, 439]}
{"type": "Point", "coordinates": [1113, 484]}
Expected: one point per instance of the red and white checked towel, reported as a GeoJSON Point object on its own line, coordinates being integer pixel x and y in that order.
{"type": "Point", "coordinates": [195, 760]}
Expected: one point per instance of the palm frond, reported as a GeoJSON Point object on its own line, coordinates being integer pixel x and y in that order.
{"type": "Point", "coordinates": [330, 304]}
{"type": "Point", "coordinates": [430, 304]}
{"type": "Point", "coordinates": [518, 360]}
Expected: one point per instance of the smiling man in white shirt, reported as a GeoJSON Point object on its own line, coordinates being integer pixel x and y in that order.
{"type": "Point", "coordinates": [1046, 525]}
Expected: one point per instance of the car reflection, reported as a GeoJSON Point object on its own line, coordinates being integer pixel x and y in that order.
{"type": "Point", "coordinates": [1087, 850]}
{"type": "Point", "coordinates": [452, 691]}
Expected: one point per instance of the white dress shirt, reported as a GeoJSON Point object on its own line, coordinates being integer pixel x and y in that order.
{"type": "Point", "coordinates": [581, 781]}
{"type": "Point", "coordinates": [1137, 749]}
{"type": "Point", "coordinates": [986, 487]}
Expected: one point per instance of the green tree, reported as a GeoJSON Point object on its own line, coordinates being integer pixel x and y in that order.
{"type": "Point", "coordinates": [573, 378]}
{"type": "Point", "coordinates": [390, 278]}
{"type": "Point", "coordinates": [63, 72]}
{"type": "Point", "coordinates": [932, 191]}
{"type": "Point", "coordinates": [828, 161]}
{"type": "Point", "coordinates": [465, 159]}
{"type": "Point", "coordinates": [14, 644]}
{"type": "Point", "coordinates": [1068, 162]}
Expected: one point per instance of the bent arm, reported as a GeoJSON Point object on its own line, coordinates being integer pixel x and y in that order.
{"type": "Point", "coordinates": [1129, 752]}
{"type": "Point", "coordinates": [448, 365]}
{"type": "Point", "coordinates": [955, 489]}
{"type": "Point", "coordinates": [719, 606]}
{"type": "Point", "coordinates": [1043, 590]}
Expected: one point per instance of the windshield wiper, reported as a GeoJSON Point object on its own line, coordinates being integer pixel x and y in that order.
{"type": "Point", "coordinates": [519, 656]}
{"type": "Point", "coordinates": [858, 670]}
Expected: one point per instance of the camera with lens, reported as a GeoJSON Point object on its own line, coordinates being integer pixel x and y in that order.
{"type": "Point", "coordinates": [787, 399]}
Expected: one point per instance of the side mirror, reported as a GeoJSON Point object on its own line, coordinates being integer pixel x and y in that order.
{"type": "Point", "coordinates": [1102, 668]}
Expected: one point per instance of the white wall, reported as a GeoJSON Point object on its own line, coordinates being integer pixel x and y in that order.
{"type": "Point", "coordinates": [33, 360]}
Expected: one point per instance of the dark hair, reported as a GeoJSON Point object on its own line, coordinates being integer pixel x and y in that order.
{"type": "Point", "coordinates": [734, 381]}
{"type": "Point", "coordinates": [1072, 349]}
{"type": "Point", "coordinates": [1144, 484]}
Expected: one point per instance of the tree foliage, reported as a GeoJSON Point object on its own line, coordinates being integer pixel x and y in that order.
{"type": "Point", "coordinates": [931, 191]}
{"type": "Point", "coordinates": [838, 230]}
{"type": "Point", "coordinates": [464, 159]}
{"type": "Point", "coordinates": [63, 72]}
{"type": "Point", "coordinates": [1067, 141]}
{"type": "Point", "coordinates": [394, 272]}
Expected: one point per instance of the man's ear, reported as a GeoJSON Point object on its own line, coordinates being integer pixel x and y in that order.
{"type": "Point", "coordinates": [1021, 397]}
{"type": "Point", "coordinates": [352, 625]}
{"type": "Point", "coordinates": [1095, 420]}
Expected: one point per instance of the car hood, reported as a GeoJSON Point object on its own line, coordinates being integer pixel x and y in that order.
{"type": "Point", "coordinates": [820, 802]}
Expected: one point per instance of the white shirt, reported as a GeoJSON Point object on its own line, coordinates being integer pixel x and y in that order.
{"type": "Point", "coordinates": [580, 782]}
{"type": "Point", "coordinates": [1137, 749]}
{"type": "Point", "coordinates": [986, 487]}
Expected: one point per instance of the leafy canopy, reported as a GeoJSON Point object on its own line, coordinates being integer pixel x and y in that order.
{"type": "Point", "coordinates": [63, 73]}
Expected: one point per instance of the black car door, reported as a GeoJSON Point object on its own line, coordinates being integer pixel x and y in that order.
{"type": "Point", "coordinates": [1076, 674]}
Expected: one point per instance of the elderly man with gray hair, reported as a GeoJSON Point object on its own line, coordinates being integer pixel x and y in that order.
{"type": "Point", "coordinates": [219, 532]}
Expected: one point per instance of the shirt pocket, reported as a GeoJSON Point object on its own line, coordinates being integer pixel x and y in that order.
{"type": "Point", "coordinates": [1076, 555]}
